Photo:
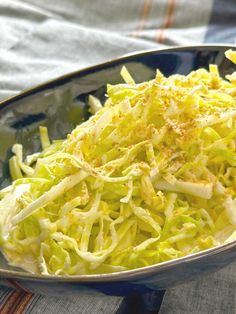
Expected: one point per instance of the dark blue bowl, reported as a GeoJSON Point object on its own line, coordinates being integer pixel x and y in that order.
{"type": "Point", "coordinates": [60, 105]}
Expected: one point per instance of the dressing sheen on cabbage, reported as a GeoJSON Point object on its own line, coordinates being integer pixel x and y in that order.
{"type": "Point", "coordinates": [150, 177]}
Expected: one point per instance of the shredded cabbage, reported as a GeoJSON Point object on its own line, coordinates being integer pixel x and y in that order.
{"type": "Point", "coordinates": [150, 177]}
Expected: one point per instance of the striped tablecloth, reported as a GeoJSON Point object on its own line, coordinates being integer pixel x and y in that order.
{"type": "Point", "coordinates": [41, 39]}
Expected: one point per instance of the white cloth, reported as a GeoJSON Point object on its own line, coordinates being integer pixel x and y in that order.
{"type": "Point", "coordinates": [42, 39]}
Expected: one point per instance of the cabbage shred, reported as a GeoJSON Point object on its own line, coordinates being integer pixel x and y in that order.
{"type": "Point", "coordinates": [148, 178]}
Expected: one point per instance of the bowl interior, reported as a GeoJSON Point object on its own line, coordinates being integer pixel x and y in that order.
{"type": "Point", "coordinates": [62, 104]}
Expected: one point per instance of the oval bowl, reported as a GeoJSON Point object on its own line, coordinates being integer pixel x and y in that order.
{"type": "Point", "coordinates": [60, 104]}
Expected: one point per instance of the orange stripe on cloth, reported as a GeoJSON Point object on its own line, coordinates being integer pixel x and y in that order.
{"type": "Point", "coordinates": [10, 303]}
{"type": "Point", "coordinates": [17, 286]}
{"type": "Point", "coordinates": [25, 301]}
{"type": "Point", "coordinates": [160, 37]}
{"type": "Point", "coordinates": [16, 302]}
{"type": "Point", "coordinates": [147, 4]}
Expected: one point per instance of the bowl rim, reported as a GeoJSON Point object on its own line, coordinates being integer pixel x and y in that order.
{"type": "Point", "coordinates": [70, 75]}
{"type": "Point", "coordinates": [133, 274]}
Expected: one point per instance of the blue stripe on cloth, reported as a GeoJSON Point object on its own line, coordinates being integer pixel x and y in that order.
{"type": "Point", "coordinates": [222, 23]}
{"type": "Point", "coordinates": [4, 292]}
{"type": "Point", "coordinates": [146, 303]}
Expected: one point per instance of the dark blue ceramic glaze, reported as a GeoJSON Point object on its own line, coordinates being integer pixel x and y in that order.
{"type": "Point", "coordinates": [60, 105]}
